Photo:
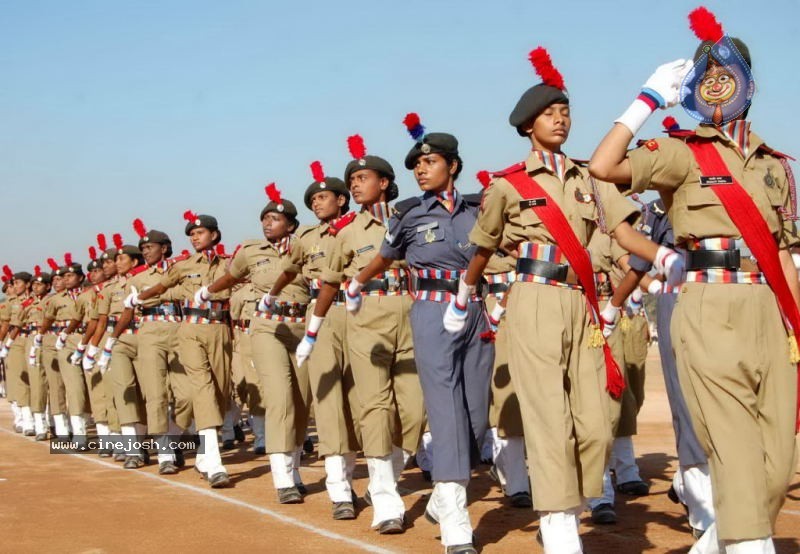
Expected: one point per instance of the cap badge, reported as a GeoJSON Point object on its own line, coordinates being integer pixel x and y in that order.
{"type": "Point", "coordinates": [425, 148]}
{"type": "Point", "coordinates": [280, 208]}
{"type": "Point", "coordinates": [197, 222]}
{"type": "Point", "coordinates": [322, 185]}
{"type": "Point", "coordinates": [362, 162]}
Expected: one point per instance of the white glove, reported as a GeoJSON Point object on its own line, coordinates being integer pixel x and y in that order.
{"type": "Point", "coordinates": [105, 357]}
{"type": "Point", "coordinates": [655, 287]}
{"type": "Point", "coordinates": [132, 300]}
{"type": "Point", "coordinates": [635, 301]}
{"type": "Point", "coordinates": [202, 295]}
{"type": "Point", "coordinates": [6, 346]}
{"type": "Point", "coordinates": [61, 341]}
{"type": "Point", "coordinates": [661, 90]}
{"type": "Point", "coordinates": [37, 341]}
{"type": "Point", "coordinates": [496, 315]}
{"type": "Point", "coordinates": [352, 297]}
{"type": "Point", "coordinates": [88, 359]}
{"type": "Point", "coordinates": [670, 264]}
{"type": "Point", "coordinates": [456, 313]}
{"type": "Point", "coordinates": [77, 356]}
{"type": "Point", "coordinates": [32, 356]}
{"type": "Point", "coordinates": [307, 344]}
{"type": "Point", "coordinates": [267, 303]}
{"type": "Point", "coordinates": [610, 315]}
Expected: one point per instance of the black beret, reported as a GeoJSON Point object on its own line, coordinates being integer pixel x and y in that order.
{"type": "Point", "coordinates": [533, 102]}
{"type": "Point", "coordinates": [108, 254]}
{"type": "Point", "coordinates": [705, 48]}
{"type": "Point", "coordinates": [332, 184]}
{"type": "Point", "coordinates": [23, 276]}
{"type": "Point", "coordinates": [45, 278]}
{"type": "Point", "coordinates": [94, 264]}
{"type": "Point", "coordinates": [130, 250]}
{"type": "Point", "coordinates": [72, 268]}
{"type": "Point", "coordinates": [285, 207]}
{"type": "Point", "coordinates": [206, 221]}
{"type": "Point", "coordinates": [432, 143]}
{"type": "Point", "coordinates": [157, 237]}
{"type": "Point", "coordinates": [374, 163]}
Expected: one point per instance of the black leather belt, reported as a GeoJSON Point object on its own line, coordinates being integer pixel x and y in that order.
{"type": "Point", "coordinates": [444, 285]}
{"type": "Point", "coordinates": [242, 324]}
{"type": "Point", "coordinates": [211, 315]}
{"type": "Point", "coordinates": [166, 309]}
{"type": "Point", "coordinates": [387, 284]}
{"type": "Point", "coordinates": [338, 298]}
{"type": "Point", "coordinates": [497, 288]}
{"type": "Point", "coordinates": [548, 270]}
{"type": "Point", "coordinates": [289, 310]}
{"type": "Point", "coordinates": [713, 259]}
{"type": "Point", "coordinates": [112, 324]}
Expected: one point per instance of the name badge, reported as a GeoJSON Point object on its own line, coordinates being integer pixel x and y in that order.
{"type": "Point", "coordinates": [366, 248]}
{"type": "Point", "coordinates": [193, 275]}
{"type": "Point", "coordinates": [532, 203]}
{"type": "Point", "coordinates": [316, 256]}
{"type": "Point", "coordinates": [423, 228]}
{"type": "Point", "coordinates": [265, 261]}
{"type": "Point", "coordinates": [712, 180]}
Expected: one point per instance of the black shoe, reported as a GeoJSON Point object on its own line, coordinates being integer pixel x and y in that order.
{"type": "Point", "coordinates": [431, 518]}
{"type": "Point", "coordinates": [133, 462]}
{"type": "Point", "coordinates": [18, 428]}
{"type": "Point", "coordinates": [180, 460]}
{"type": "Point", "coordinates": [344, 510]}
{"type": "Point", "coordinates": [290, 495]}
{"type": "Point", "coordinates": [228, 444]}
{"type": "Point", "coordinates": [308, 446]}
{"type": "Point", "coordinates": [461, 549]}
{"type": "Point", "coordinates": [634, 488]}
{"type": "Point", "coordinates": [301, 488]}
{"type": "Point", "coordinates": [368, 498]}
{"type": "Point", "coordinates": [105, 453]}
{"type": "Point", "coordinates": [604, 514]}
{"type": "Point", "coordinates": [427, 476]}
{"type": "Point", "coordinates": [219, 480]}
{"type": "Point", "coordinates": [41, 437]}
{"type": "Point", "coordinates": [28, 432]}
{"type": "Point", "coordinates": [120, 457]}
{"type": "Point", "coordinates": [392, 527]}
{"type": "Point", "coordinates": [145, 455]}
{"type": "Point", "coordinates": [259, 451]}
{"type": "Point", "coordinates": [167, 468]}
{"type": "Point", "coordinates": [494, 476]}
{"type": "Point", "coordinates": [697, 533]}
{"type": "Point", "coordinates": [238, 433]}
{"type": "Point", "coordinates": [521, 500]}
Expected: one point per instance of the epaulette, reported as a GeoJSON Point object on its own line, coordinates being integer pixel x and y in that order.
{"type": "Point", "coordinates": [507, 171]}
{"type": "Point", "coordinates": [580, 163]}
{"type": "Point", "coordinates": [473, 199]}
{"type": "Point", "coordinates": [775, 153]}
{"type": "Point", "coordinates": [176, 259]}
{"type": "Point", "coordinates": [27, 302]}
{"type": "Point", "coordinates": [657, 207]}
{"type": "Point", "coordinates": [404, 206]}
{"type": "Point", "coordinates": [304, 230]}
{"type": "Point", "coordinates": [342, 222]}
{"type": "Point", "coordinates": [138, 269]}
{"type": "Point", "coordinates": [252, 242]}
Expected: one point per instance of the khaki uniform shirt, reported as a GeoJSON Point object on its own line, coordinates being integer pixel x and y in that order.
{"type": "Point", "coordinates": [147, 279]}
{"type": "Point", "coordinates": [668, 166]}
{"type": "Point", "coordinates": [243, 302]}
{"type": "Point", "coordinates": [311, 251]}
{"type": "Point", "coordinates": [110, 299]}
{"type": "Point", "coordinates": [189, 275]}
{"type": "Point", "coordinates": [262, 263]}
{"type": "Point", "coordinates": [60, 307]}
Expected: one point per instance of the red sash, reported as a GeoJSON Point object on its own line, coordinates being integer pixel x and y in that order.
{"type": "Point", "coordinates": [558, 226]}
{"type": "Point", "coordinates": [756, 234]}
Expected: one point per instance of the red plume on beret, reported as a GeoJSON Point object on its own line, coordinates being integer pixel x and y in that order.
{"type": "Point", "coordinates": [705, 25]}
{"type": "Point", "coordinates": [7, 272]}
{"type": "Point", "coordinates": [52, 263]}
{"type": "Point", "coordinates": [101, 242]}
{"type": "Point", "coordinates": [185, 253]}
{"type": "Point", "coordinates": [92, 253]}
{"type": "Point", "coordinates": [220, 249]}
{"type": "Point", "coordinates": [545, 69]}
{"type": "Point", "coordinates": [484, 178]}
{"type": "Point", "coordinates": [317, 172]}
{"type": "Point", "coordinates": [414, 126]}
{"type": "Point", "coordinates": [37, 271]}
{"type": "Point", "coordinates": [273, 193]}
{"type": "Point", "coordinates": [189, 216]}
{"type": "Point", "coordinates": [670, 123]}
{"type": "Point", "coordinates": [68, 258]}
{"type": "Point", "coordinates": [356, 146]}
{"type": "Point", "coordinates": [238, 246]}
{"type": "Point", "coordinates": [118, 241]}
{"type": "Point", "coordinates": [138, 226]}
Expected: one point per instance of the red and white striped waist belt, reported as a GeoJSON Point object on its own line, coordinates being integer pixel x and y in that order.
{"type": "Point", "coordinates": [206, 312]}
{"type": "Point", "coordinates": [440, 285]}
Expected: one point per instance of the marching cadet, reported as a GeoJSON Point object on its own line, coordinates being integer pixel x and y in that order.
{"type": "Point", "coordinates": [275, 329]}
{"type": "Point", "coordinates": [379, 339]}
{"type": "Point", "coordinates": [204, 346]}
{"type": "Point", "coordinates": [5, 317]}
{"type": "Point", "coordinates": [336, 407]}
{"type": "Point", "coordinates": [31, 319]}
{"type": "Point", "coordinates": [51, 331]}
{"type": "Point", "coordinates": [724, 187]}
{"type": "Point", "coordinates": [14, 352]}
{"type": "Point", "coordinates": [505, 420]}
{"type": "Point", "coordinates": [548, 207]}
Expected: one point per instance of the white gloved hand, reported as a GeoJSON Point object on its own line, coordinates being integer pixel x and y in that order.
{"type": "Point", "coordinates": [669, 263]}
{"type": "Point", "coordinates": [88, 358]}
{"type": "Point", "coordinates": [352, 297]}
{"type": "Point", "coordinates": [32, 356]}
{"type": "Point", "coordinates": [4, 352]}
{"type": "Point", "coordinates": [497, 314]}
{"type": "Point", "coordinates": [202, 295]}
{"type": "Point", "coordinates": [610, 315]}
{"type": "Point", "coordinates": [635, 301]}
{"type": "Point", "coordinates": [661, 90]}
{"type": "Point", "coordinates": [455, 316]}
{"type": "Point", "coordinates": [306, 345]}
{"type": "Point", "coordinates": [37, 341]}
{"type": "Point", "coordinates": [61, 341]}
{"type": "Point", "coordinates": [267, 303]}
{"type": "Point", "coordinates": [105, 357]}
{"type": "Point", "coordinates": [132, 300]}
{"type": "Point", "coordinates": [77, 356]}
{"type": "Point", "coordinates": [655, 287]}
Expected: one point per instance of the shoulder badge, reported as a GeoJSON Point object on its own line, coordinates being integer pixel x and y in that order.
{"type": "Point", "coordinates": [512, 169]}
{"type": "Point", "coordinates": [404, 206]}
{"type": "Point", "coordinates": [473, 199]}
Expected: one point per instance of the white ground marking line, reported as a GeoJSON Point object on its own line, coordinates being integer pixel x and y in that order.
{"type": "Point", "coordinates": [241, 503]}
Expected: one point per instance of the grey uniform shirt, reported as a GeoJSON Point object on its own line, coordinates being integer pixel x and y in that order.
{"type": "Point", "coordinates": [657, 227]}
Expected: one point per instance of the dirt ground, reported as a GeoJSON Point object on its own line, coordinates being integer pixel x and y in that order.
{"type": "Point", "coordinates": [82, 503]}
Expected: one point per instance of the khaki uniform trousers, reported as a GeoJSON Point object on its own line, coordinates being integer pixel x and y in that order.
{"type": "Point", "coordinates": [16, 373]}
{"type": "Point", "coordinates": [635, 340]}
{"type": "Point", "coordinates": [156, 367]}
{"type": "Point", "coordinates": [381, 347]}
{"type": "Point", "coordinates": [37, 379]}
{"type": "Point", "coordinates": [333, 387]}
{"type": "Point", "coordinates": [87, 389]}
{"type": "Point", "coordinates": [122, 376]}
{"type": "Point", "coordinates": [287, 392]}
{"type": "Point", "coordinates": [245, 377]}
{"type": "Point", "coordinates": [741, 389]}
{"type": "Point", "coordinates": [560, 382]}
{"type": "Point", "coordinates": [205, 354]}
{"type": "Point", "coordinates": [57, 392]}
{"type": "Point", "coordinates": [504, 405]}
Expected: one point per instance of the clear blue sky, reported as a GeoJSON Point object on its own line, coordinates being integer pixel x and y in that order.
{"type": "Point", "coordinates": [115, 110]}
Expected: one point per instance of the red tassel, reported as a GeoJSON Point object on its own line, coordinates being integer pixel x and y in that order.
{"type": "Point", "coordinates": [356, 146]}
{"type": "Point", "coordinates": [101, 242]}
{"type": "Point", "coordinates": [411, 120]}
{"type": "Point", "coordinates": [138, 226]}
{"type": "Point", "coordinates": [705, 25]}
{"type": "Point", "coordinates": [52, 263]}
{"type": "Point", "coordinates": [273, 193]}
{"type": "Point", "coordinates": [118, 241]}
{"type": "Point", "coordinates": [7, 272]}
{"type": "Point", "coordinates": [92, 253]}
{"type": "Point", "coordinates": [185, 253]}
{"type": "Point", "coordinates": [189, 216]}
{"type": "Point", "coordinates": [484, 178]}
{"type": "Point", "coordinates": [545, 69]}
{"type": "Point", "coordinates": [220, 249]}
{"type": "Point", "coordinates": [317, 173]}
{"type": "Point", "coordinates": [37, 271]}
{"type": "Point", "coordinates": [68, 258]}
{"type": "Point", "coordinates": [670, 123]}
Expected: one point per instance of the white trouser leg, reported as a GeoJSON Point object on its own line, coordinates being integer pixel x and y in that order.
{"type": "Point", "coordinates": [297, 456]}
{"type": "Point", "coordinates": [708, 543]}
{"type": "Point", "coordinates": [510, 461]}
{"type": "Point", "coordinates": [336, 479]}
{"type": "Point", "coordinates": [62, 426]}
{"type": "Point", "coordinates": [451, 510]}
{"type": "Point", "coordinates": [281, 465]}
{"type": "Point", "coordinates": [487, 447]}
{"type": "Point", "coordinates": [625, 460]}
{"type": "Point", "coordinates": [425, 452]}
{"type": "Point", "coordinates": [386, 501]}
{"type": "Point", "coordinates": [129, 432]}
{"type": "Point", "coordinates": [78, 427]}
{"type": "Point", "coordinates": [165, 454]}
{"type": "Point", "coordinates": [17, 414]}
{"type": "Point", "coordinates": [212, 461]}
{"type": "Point", "coordinates": [697, 495]}
{"type": "Point", "coordinates": [608, 492]}
{"type": "Point", "coordinates": [560, 532]}
{"type": "Point", "coordinates": [27, 418]}
{"type": "Point", "coordinates": [38, 424]}
{"type": "Point", "coordinates": [400, 458]}
{"type": "Point", "coordinates": [753, 546]}
{"type": "Point", "coordinates": [259, 432]}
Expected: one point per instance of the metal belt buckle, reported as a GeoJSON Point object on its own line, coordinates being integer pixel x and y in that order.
{"type": "Point", "coordinates": [214, 314]}
{"type": "Point", "coordinates": [392, 283]}
{"type": "Point", "coordinates": [733, 259]}
{"type": "Point", "coordinates": [292, 310]}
